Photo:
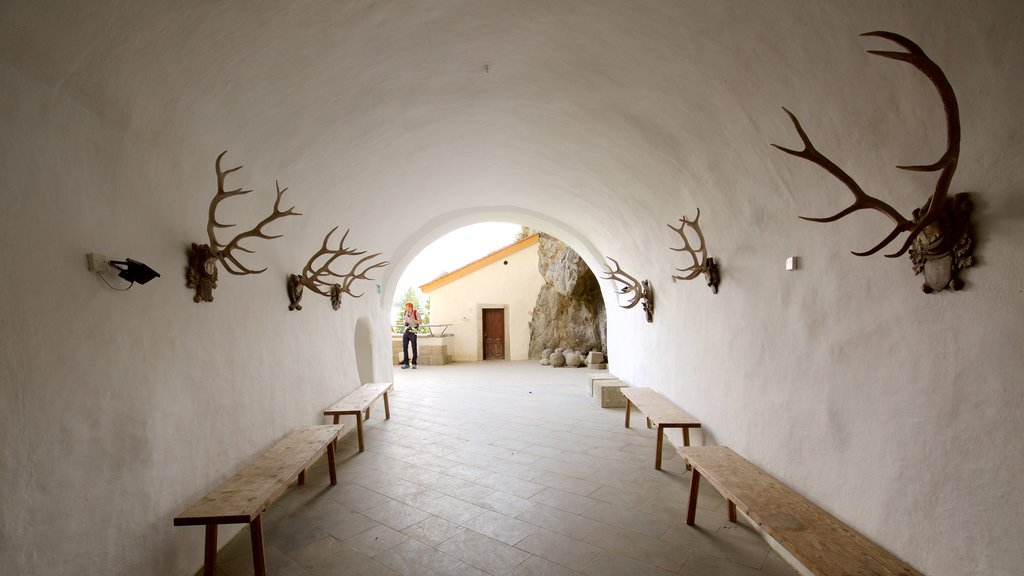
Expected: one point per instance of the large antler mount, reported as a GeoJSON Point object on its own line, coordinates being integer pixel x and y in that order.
{"type": "Point", "coordinates": [702, 264]}
{"type": "Point", "coordinates": [319, 277]}
{"type": "Point", "coordinates": [939, 235]}
{"type": "Point", "coordinates": [201, 273]}
{"type": "Point", "coordinates": [637, 291]}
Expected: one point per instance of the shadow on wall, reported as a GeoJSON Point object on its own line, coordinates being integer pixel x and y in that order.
{"type": "Point", "coordinates": [364, 350]}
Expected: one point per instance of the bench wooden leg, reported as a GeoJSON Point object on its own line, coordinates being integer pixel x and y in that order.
{"type": "Point", "coordinates": [337, 419]}
{"type": "Point", "coordinates": [648, 422]}
{"type": "Point", "coordinates": [629, 405]}
{"type": "Point", "coordinates": [367, 412]}
{"type": "Point", "coordinates": [686, 442]}
{"type": "Point", "coordinates": [210, 551]}
{"type": "Point", "coordinates": [732, 511]}
{"type": "Point", "coordinates": [387, 409]}
{"type": "Point", "coordinates": [259, 564]}
{"type": "Point", "coordinates": [302, 477]}
{"type": "Point", "coordinates": [359, 429]}
{"type": "Point", "coordinates": [691, 510]}
{"type": "Point", "coordinates": [661, 442]}
{"type": "Point", "coordinates": [331, 465]}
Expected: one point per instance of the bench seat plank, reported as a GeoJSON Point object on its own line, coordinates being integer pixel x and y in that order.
{"type": "Point", "coordinates": [660, 412]}
{"type": "Point", "coordinates": [821, 542]}
{"type": "Point", "coordinates": [245, 495]}
{"type": "Point", "coordinates": [360, 399]}
{"type": "Point", "coordinates": [358, 402]}
{"type": "Point", "coordinates": [659, 409]}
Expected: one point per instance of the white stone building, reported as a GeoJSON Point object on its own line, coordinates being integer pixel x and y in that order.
{"type": "Point", "coordinates": [489, 303]}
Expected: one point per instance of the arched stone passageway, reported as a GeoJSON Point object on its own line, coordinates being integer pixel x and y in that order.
{"type": "Point", "coordinates": [601, 122]}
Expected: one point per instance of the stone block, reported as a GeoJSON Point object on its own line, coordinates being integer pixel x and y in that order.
{"type": "Point", "coordinates": [608, 393]}
{"type": "Point", "coordinates": [593, 376]}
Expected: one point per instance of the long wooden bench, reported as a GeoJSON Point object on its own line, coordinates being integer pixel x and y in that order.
{"type": "Point", "coordinates": [821, 542]}
{"type": "Point", "coordinates": [358, 402]}
{"type": "Point", "coordinates": [661, 413]}
{"type": "Point", "coordinates": [244, 496]}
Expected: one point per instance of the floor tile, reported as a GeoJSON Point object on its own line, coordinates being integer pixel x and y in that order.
{"type": "Point", "coordinates": [485, 553]}
{"type": "Point", "coordinates": [433, 530]}
{"type": "Point", "coordinates": [637, 546]}
{"type": "Point", "coordinates": [501, 527]}
{"type": "Point", "coordinates": [396, 515]}
{"type": "Point", "coordinates": [702, 564]}
{"type": "Point", "coordinates": [557, 520]}
{"type": "Point", "coordinates": [540, 567]}
{"type": "Point", "coordinates": [356, 497]}
{"type": "Point", "coordinates": [451, 509]}
{"type": "Point", "coordinates": [376, 540]}
{"type": "Point", "coordinates": [276, 562]}
{"type": "Point", "coordinates": [559, 549]}
{"type": "Point", "coordinates": [414, 558]}
{"type": "Point", "coordinates": [625, 518]}
{"type": "Point", "coordinates": [504, 503]}
{"type": "Point", "coordinates": [564, 500]}
{"type": "Point", "coordinates": [611, 564]}
{"type": "Point", "coordinates": [567, 483]}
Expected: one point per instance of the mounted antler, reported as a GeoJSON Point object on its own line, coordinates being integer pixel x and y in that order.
{"type": "Point", "coordinates": [201, 273]}
{"type": "Point", "coordinates": [946, 164]}
{"type": "Point", "coordinates": [319, 277]}
{"type": "Point", "coordinates": [701, 263]}
{"type": "Point", "coordinates": [940, 238]}
{"type": "Point", "coordinates": [225, 252]}
{"type": "Point", "coordinates": [640, 291]}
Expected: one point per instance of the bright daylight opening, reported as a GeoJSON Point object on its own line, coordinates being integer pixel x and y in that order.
{"type": "Point", "coordinates": [498, 291]}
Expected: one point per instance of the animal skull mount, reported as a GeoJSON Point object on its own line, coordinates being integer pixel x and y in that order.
{"type": "Point", "coordinates": [701, 263]}
{"type": "Point", "coordinates": [639, 292]}
{"type": "Point", "coordinates": [940, 238]}
{"type": "Point", "coordinates": [201, 273]}
{"type": "Point", "coordinates": [318, 276]}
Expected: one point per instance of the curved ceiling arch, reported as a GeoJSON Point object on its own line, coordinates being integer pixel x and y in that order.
{"type": "Point", "coordinates": [434, 228]}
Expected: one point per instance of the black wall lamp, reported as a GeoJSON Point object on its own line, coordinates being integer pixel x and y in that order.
{"type": "Point", "coordinates": [130, 270]}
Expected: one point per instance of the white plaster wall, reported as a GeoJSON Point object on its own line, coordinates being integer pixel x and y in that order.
{"type": "Point", "coordinates": [513, 286]}
{"type": "Point", "coordinates": [600, 122]}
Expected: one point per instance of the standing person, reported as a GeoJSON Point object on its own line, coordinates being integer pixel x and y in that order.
{"type": "Point", "coordinates": [412, 325]}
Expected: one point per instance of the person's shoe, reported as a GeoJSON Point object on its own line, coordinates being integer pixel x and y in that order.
{"type": "Point", "coordinates": [413, 366]}
{"type": "Point", "coordinates": [404, 366]}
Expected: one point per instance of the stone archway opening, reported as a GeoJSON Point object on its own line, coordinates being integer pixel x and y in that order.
{"type": "Point", "coordinates": [565, 310]}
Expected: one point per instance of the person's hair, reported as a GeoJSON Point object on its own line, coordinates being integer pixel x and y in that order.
{"type": "Point", "coordinates": [409, 305]}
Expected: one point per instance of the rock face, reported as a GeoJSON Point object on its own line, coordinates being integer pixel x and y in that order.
{"type": "Point", "coordinates": [570, 312]}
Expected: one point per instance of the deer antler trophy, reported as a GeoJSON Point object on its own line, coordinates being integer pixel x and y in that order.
{"type": "Point", "coordinates": [201, 273]}
{"type": "Point", "coordinates": [638, 291]}
{"type": "Point", "coordinates": [701, 263]}
{"type": "Point", "coordinates": [318, 276]}
{"type": "Point", "coordinates": [940, 238]}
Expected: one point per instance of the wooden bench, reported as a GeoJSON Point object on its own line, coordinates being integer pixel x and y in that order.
{"type": "Point", "coordinates": [821, 542]}
{"type": "Point", "coordinates": [358, 403]}
{"type": "Point", "coordinates": [244, 496]}
{"type": "Point", "coordinates": [661, 413]}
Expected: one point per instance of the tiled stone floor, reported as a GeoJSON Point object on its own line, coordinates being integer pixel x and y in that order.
{"type": "Point", "coordinates": [500, 468]}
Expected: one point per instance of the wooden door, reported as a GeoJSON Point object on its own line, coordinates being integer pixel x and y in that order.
{"type": "Point", "coordinates": [494, 333]}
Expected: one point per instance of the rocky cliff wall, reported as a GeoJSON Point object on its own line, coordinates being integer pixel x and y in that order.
{"type": "Point", "coordinates": [570, 312]}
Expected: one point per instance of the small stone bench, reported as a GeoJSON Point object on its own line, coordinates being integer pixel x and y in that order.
{"type": "Point", "coordinates": [593, 377]}
{"type": "Point", "coordinates": [244, 496]}
{"type": "Point", "coordinates": [661, 413]}
{"type": "Point", "coordinates": [821, 542]}
{"type": "Point", "coordinates": [358, 402]}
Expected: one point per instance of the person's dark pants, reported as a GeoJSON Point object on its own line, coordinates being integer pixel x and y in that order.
{"type": "Point", "coordinates": [407, 338]}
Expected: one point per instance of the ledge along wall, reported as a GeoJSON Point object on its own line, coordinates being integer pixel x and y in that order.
{"type": "Point", "coordinates": [598, 122]}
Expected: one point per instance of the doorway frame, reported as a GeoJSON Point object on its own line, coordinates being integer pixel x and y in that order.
{"type": "Point", "coordinates": [479, 315]}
